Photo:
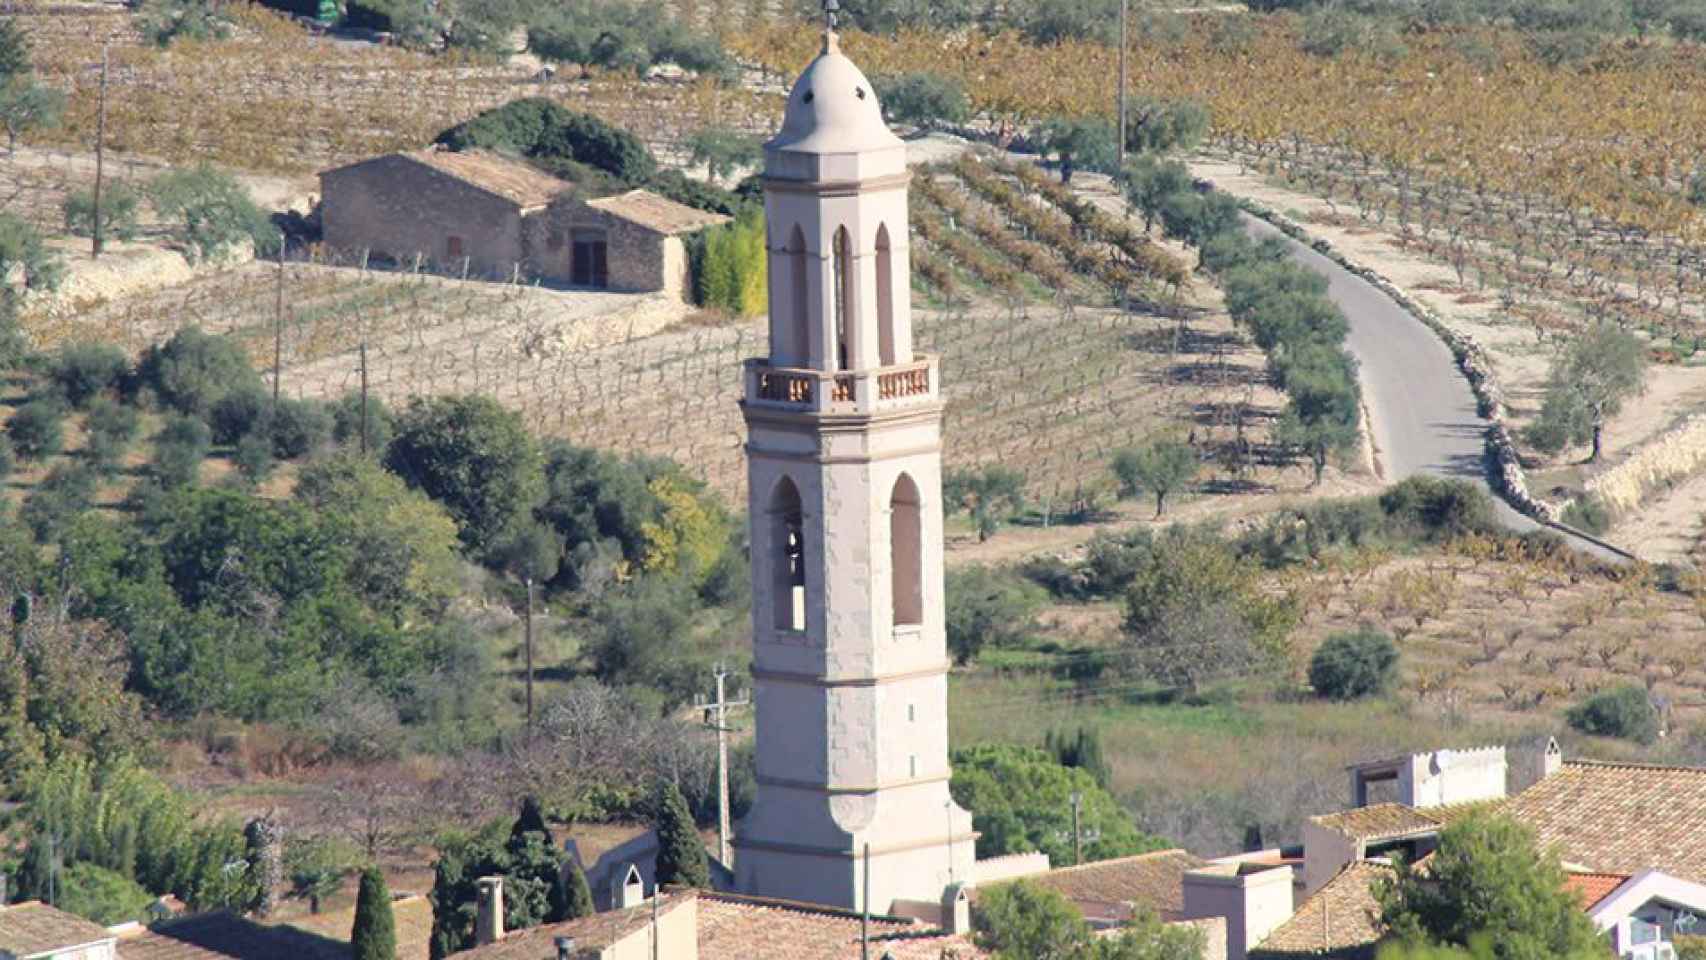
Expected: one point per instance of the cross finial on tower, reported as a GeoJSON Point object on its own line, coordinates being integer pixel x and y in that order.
{"type": "Point", "coordinates": [831, 19]}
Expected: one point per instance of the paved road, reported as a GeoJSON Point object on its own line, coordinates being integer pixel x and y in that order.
{"type": "Point", "coordinates": [1424, 417]}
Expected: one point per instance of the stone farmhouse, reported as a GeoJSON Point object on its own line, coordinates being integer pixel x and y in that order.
{"type": "Point", "coordinates": [35, 931]}
{"type": "Point", "coordinates": [481, 214]}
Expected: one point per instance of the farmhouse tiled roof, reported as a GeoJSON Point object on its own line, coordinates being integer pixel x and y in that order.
{"type": "Point", "coordinates": [1342, 919]}
{"type": "Point", "coordinates": [33, 927]}
{"type": "Point", "coordinates": [412, 916]}
{"type": "Point", "coordinates": [656, 213]}
{"type": "Point", "coordinates": [1620, 817]}
{"type": "Point", "coordinates": [1591, 888]}
{"type": "Point", "coordinates": [591, 933]}
{"type": "Point", "coordinates": [1154, 880]}
{"type": "Point", "coordinates": [1381, 821]}
{"type": "Point", "coordinates": [494, 173]}
{"type": "Point", "coordinates": [225, 936]}
{"type": "Point", "coordinates": [751, 928]}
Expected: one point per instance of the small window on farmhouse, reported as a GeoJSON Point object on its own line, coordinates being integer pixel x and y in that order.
{"type": "Point", "coordinates": [453, 247]}
{"type": "Point", "coordinates": [591, 259]}
{"type": "Point", "coordinates": [911, 713]}
{"type": "Point", "coordinates": [913, 764]}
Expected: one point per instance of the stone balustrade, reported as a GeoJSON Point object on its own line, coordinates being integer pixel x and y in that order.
{"type": "Point", "coordinates": [857, 391]}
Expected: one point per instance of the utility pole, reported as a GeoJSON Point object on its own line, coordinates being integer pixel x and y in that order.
{"type": "Point", "coordinates": [720, 717]}
{"type": "Point", "coordinates": [278, 327]}
{"type": "Point", "coordinates": [364, 401]}
{"type": "Point", "coordinates": [100, 153]}
{"type": "Point", "coordinates": [865, 910]}
{"type": "Point", "coordinates": [1124, 4]}
{"type": "Point", "coordinates": [528, 617]}
{"type": "Point", "coordinates": [1077, 832]}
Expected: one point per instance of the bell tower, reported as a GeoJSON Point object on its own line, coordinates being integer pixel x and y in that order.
{"type": "Point", "coordinates": [850, 664]}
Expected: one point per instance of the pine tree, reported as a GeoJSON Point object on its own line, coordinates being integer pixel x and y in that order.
{"type": "Point", "coordinates": [374, 936]}
{"type": "Point", "coordinates": [681, 854]}
{"type": "Point", "coordinates": [571, 897]}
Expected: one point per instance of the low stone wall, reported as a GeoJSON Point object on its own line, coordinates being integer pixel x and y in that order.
{"type": "Point", "coordinates": [1506, 473]}
{"type": "Point", "coordinates": [1678, 452]}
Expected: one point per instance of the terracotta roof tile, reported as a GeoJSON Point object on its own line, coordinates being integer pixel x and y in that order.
{"type": "Point", "coordinates": [1341, 919]}
{"type": "Point", "coordinates": [223, 936]}
{"type": "Point", "coordinates": [413, 916]}
{"type": "Point", "coordinates": [591, 933]}
{"type": "Point", "coordinates": [1620, 817]}
{"type": "Point", "coordinates": [1153, 880]}
{"type": "Point", "coordinates": [1381, 821]}
{"type": "Point", "coordinates": [653, 212]}
{"type": "Point", "coordinates": [511, 179]}
{"type": "Point", "coordinates": [1591, 888]}
{"type": "Point", "coordinates": [749, 928]}
{"type": "Point", "coordinates": [33, 927]}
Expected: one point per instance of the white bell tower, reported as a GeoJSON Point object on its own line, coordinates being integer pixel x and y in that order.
{"type": "Point", "coordinates": [850, 664]}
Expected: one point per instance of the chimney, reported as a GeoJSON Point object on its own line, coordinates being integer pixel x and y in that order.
{"type": "Point", "coordinates": [630, 889]}
{"type": "Point", "coordinates": [1254, 899]}
{"type": "Point", "coordinates": [565, 948]}
{"type": "Point", "coordinates": [1532, 761]}
{"type": "Point", "coordinates": [489, 926]}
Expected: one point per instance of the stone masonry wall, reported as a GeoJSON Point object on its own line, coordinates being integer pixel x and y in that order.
{"type": "Point", "coordinates": [1677, 453]}
{"type": "Point", "coordinates": [400, 208]}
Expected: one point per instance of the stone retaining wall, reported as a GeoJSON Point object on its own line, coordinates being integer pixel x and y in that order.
{"type": "Point", "coordinates": [1506, 475]}
{"type": "Point", "coordinates": [1678, 452]}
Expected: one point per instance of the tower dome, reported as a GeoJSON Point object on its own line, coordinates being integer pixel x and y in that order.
{"type": "Point", "coordinates": [833, 113]}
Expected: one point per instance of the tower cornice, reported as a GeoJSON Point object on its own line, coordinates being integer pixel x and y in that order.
{"type": "Point", "coordinates": [839, 188]}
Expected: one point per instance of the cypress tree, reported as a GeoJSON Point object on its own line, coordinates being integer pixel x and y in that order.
{"type": "Point", "coordinates": [374, 936]}
{"type": "Point", "coordinates": [571, 897]}
{"type": "Point", "coordinates": [681, 854]}
{"type": "Point", "coordinates": [532, 820]}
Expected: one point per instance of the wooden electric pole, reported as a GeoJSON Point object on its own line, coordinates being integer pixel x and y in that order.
{"type": "Point", "coordinates": [529, 628]}
{"type": "Point", "coordinates": [1077, 833]}
{"type": "Point", "coordinates": [1123, 17]}
{"type": "Point", "coordinates": [364, 398]}
{"type": "Point", "coordinates": [278, 328]}
{"type": "Point", "coordinates": [100, 155]}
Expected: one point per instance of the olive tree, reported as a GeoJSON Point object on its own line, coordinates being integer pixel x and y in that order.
{"type": "Point", "coordinates": [1591, 378]}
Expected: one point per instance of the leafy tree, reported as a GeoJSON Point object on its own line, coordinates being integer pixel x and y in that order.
{"type": "Point", "coordinates": [298, 428]}
{"type": "Point", "coordinates": [120, 209]}
{"type": "Point", "coordinates": [241, 413]}
{"type": "Point", "coordinates": [1322, 419]}
{"type": "Point", "coordinates": [543, 130]}
{"type": "Point", "coordinates": [1351, 665]}
{"type": "Point", "coordinates": [1151, 181]}
{"type": "Point", "coordinates": [83, 371]}
{"type": "Point", "coordinates": [681, 854]}
{"type": "Point", "coordinates": [1087, 144]}
{"type": "Point", "coordinates": [253, 458]}
{"type": "Point", "coordinates": [105, 896]}
{"type": "Point", "coordinates": [887, 17]}
{"type": "Point", "coordinates": [68, 490]}
{"type": "Point", "coordinates": [8, 459]}
{"type": "Point", "coordinates": [1155, 126]}
{"type": "Point", "coordinates": [1159, 468]}
{"type": "Point", "coordinates": [636, 635]}
{"type": "Point", "coordinates": [1597, 371]}
{"type": "Point", "coordinates": [1026, 920]}
{"type": "Point", "coordinates": [73, 689]}
{"type": "Point", "coordinates": [163, 22]}
{"type": "Point", "coordinates": [624, 35]}
{"type": "Point", "coordinates": [1056, 21]}
{"type": "Point", "coordinates": [374, 935]}
{"type": "Point", "coordinates": [527, 860]}
{"type": "Point", "coordinates": [347, 423]}
{"type": "Point", "coordinates": [1196, 219]}
{"type": "Point", "coordinates": [723, 150]}
{"type": "Point", "coordinates": [403, 545]}
{"type": "Point", "coordinates": [990, 494]}
{"type": "Point", "coordinates": [1624, 711]}
{"type": "Point", "coordinates": [923, 100]}
{"type": "Point", "coordinates": [21, 251]}
{"type": "Point", "coordinates": [474, 457]}
{"type": "Point", "coordinates": [215, 213]}
{"type": "Point", "coordinates": [1081, 750]}
{"type": "Point", "coordinates": [1196, 611]}
{"type": "Point", "coordinates": [193, 371]}
{"type": "Point", "coordinates": [1489, 879]}
{"type": "Point", "coordinates": [37, 429]}
{"type": "Point", "coordinates": [988, 607]}
{"type": "Point", "coordinates": [179, 450]}
{"type": "Point", "coordinates": [24, 104]}
{"type": "Point", "coordinates": [1021, 801]}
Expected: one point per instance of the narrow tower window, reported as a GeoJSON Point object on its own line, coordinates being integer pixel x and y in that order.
{"type": "Point", "coordinates": [885, 298]}
{"type": "Point", "coordinates": [787, 524]}
{"type": "Point", "coordinates": [843, 296]}
{"type": "Point", "coordinates": [905, 546]}
{"type": "Point", "coordinates": [798, 338]}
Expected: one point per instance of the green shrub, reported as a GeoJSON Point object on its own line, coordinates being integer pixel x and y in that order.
{"type": "Point", "coordinates": [1349, 666]}
{"type": "Point", "coordinates": [1020, 800]}
{"type": "Point", "coordinates": [161, 22]}
{"type": "Point", "coordinates": [992, 494]}
{"type": "Point", "coordinates": [347, 423]}
{"type": "Point", "coordinates": [299, 427]}
{"type": "Point", "coordinates": [83, 371]}
{"type": "Point", "coordinates": [1589, 513]}
{"type": "Point", "coordinates": [214, 212]}
{"type": "Point", "coordinates": [113, 427]}
{"type": "Point", "coordinates": [624, 35]}
{"type": "Point", "coordinates": [120, 206]}
{"type": "Point", "coordinates": [239, 413]}
{"type": "Point", "coordinates": [105, 896]}
{"type": "Point", "coordinates": [539, 128]}
{"type": "Point", "coordinates": [987, 607]}
{"type": "Point", "coordinates": [1625, 712]}
{"type": "Point", "coordinates": [924, 100]}
{"type": "Point", "coordinates": [193, 371]}
{"type": "Point", "coordinates": [1437, 510]}
{"type": "Point", "coordinates": [37, 429]}
{"type": "Point", "coordinates": [723, 151]}
{"type": "Point", "coordinates": [179, 450]}
{"type": "Point", "coordinates": [8, 459]}
{"type": "Point", "coordinates": [731, 267]}
{"type": "Point", "coordinates": [253, 457]}
{"type": "Point", "coordinates": [67, 491]}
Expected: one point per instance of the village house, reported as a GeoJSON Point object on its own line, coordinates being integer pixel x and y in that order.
{"type": "Point", "coordinates": [32, 930]}
{"type": "Point", "coordinates": [481, 214]}
{"type": "Point", "coordinates": [221, 935]}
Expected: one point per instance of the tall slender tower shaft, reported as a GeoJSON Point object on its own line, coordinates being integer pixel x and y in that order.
{"type": "Point", "coordinates": [850, 664]}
